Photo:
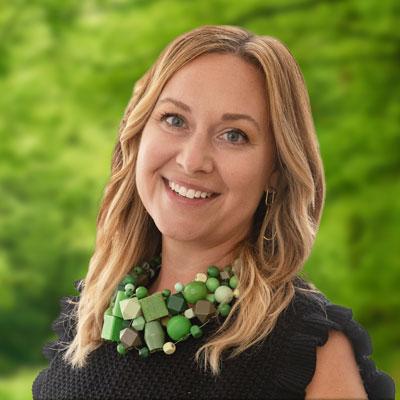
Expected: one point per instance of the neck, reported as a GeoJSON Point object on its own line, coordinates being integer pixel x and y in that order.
{"type": "Point", "coordinates": [181, 261]}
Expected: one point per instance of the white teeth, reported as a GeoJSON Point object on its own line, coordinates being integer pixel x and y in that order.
{"type": "Point", "coordinates": [189, 193]}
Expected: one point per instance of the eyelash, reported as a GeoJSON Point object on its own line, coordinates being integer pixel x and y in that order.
{"type": "Point", "coordinates": [164, 116]}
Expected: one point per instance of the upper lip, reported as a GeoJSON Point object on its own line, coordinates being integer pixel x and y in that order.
{"type": "Point", "coordinates": [190, 185]}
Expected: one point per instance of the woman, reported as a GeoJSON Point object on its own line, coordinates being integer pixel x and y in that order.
{"type": "Point", "coordinates": [212, 208]}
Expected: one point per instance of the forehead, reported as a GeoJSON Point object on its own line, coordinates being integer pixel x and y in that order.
{"type": "Point", "coordinates": [220, 82]}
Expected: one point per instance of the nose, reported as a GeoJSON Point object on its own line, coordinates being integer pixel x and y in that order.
{"type": "Point", "coordinates": [195, 155]}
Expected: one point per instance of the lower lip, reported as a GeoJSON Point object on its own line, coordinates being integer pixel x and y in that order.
{"type": "Point", "coordinates": [185, 200]}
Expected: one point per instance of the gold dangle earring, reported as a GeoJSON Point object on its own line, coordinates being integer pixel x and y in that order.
{"type": "Point", "coordinates": [269, 199]}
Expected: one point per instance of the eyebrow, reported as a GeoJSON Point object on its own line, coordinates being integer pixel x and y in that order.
{"type": "Point", "coordinates": [225, 117]}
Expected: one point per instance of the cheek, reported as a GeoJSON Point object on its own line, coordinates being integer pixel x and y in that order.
{"type": "Point", "coordinates": [151, 154]}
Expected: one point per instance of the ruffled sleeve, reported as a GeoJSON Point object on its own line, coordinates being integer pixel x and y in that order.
{"type": "Point", "coordinates": [309, 319]}
{"type": "Point", "coordinates": [64, 325]}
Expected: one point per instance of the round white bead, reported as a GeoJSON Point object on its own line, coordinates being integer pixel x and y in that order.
{"type": "Point", "coordinates": [169, 348]}
{"type": "Point", "coordinates": [223, 294]}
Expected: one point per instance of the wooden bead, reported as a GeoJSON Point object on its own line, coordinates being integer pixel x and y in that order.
{"type": "Point", "coordinates": [130, 338]}
{"type": "Point", "coordinates": [130, 308]}
{"type": "Point", "coordinates": [203, 310]}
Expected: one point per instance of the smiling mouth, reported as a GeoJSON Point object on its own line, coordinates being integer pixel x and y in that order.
{"type": "Point", "coordinates": [190, 194]}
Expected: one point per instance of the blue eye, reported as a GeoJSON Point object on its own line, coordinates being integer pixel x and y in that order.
{"type": "Point", "coordinates": [236, 137]}
{"type": "Point", "coordinates": [175, 117]}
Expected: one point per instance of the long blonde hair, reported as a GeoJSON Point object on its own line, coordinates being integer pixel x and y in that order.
{"type": "Point", "coordinates": [126, 234]}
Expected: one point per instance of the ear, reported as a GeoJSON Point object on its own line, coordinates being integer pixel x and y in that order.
{"type": "Point", "coordinates": [273, 180]}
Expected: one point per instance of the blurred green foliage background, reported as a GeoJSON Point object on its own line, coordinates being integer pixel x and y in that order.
{"type": "Point", "coordinates": [66, 74]}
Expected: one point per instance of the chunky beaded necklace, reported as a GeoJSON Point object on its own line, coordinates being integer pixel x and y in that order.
{"type": "Point", "coordinates": [155, 322]}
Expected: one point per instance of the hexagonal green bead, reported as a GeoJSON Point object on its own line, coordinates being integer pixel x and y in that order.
{"type": "Point", "coordinates": [213, 271]}
{"type": "Point", "coordinates": [212, 284]}
{"type": "Point", "coordinates": [178, 327]}
{"type": "Point", "coordinates": [138, 323]}
{"type": "Point", "coordinates": [195, 291]}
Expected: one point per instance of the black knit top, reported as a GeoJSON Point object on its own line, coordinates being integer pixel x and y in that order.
{"type": "Point", "coordinates": [280, 367]}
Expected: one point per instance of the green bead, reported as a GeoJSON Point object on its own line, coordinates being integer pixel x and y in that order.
{"type": "Point", "coordinates": [233, 282]}
{"type": "Point", "coordinates": [138, 323]}
{"type": "Point", "coordinates": [111, 327]}
{"type": "Point", "coordinates": [213, 271]}
{"type": "Point", "coordinates": [196, 331]}
{"type": "Point", "coordinates": [154, 335]}
{"type": "Point", "coordinates": [178, 327]}
{"type": "Point", "coordinates": [224, 294]}
{"type": "Point", "coordinates": [212, 284]}
{"type": "Point", "coordinates": [144, 352]}
{"type": "Point", "coordinates": [128, 279]}
{"type": "Point", "coordinates": [166, 293]}
{"type": "Point", "coordinates": [195, 291]}
{"type": "Point", "coordinates": [117, 309]}
{"type": "Point", "coordinates": [211, 298]}
{"type": "Point", "coordinates": [141, 292]}
{"type": "Point", "coordinates": [224, 309]}
{"type": "Point", "coordinates": [121, 349]}
{"type": "Point", "coordinates": [138, 270]}
{"type": "Point", "coordinates": [153, 307]}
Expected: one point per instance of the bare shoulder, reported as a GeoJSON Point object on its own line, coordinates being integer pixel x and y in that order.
{"type": "Point", "coordinates": [336, 372]}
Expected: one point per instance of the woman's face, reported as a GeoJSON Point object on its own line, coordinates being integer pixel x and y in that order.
{"type": "Point", "coordinates": [207, 134]}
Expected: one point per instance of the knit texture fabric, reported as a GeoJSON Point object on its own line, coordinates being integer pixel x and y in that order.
{"type": "Point", "coordinates": [280, 367]}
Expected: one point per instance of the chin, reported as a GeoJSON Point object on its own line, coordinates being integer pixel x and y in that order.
{"type": "Point", "coordinates": [178, 232]}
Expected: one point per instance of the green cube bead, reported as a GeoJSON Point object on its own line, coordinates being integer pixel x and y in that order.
{"type": "Point", "coordinates": [153, 307]}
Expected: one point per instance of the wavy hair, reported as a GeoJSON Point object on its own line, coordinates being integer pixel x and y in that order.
{"type": "Point", "coordinates": [267, 267]}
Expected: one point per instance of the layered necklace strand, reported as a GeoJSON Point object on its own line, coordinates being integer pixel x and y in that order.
{"type": "Point", "coordinates": [156, 322]}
